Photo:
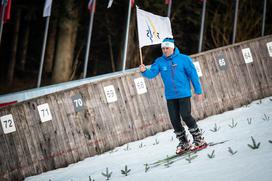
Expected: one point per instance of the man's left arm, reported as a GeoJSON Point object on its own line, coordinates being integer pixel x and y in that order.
{"type": "Point", "coordinates": [192, 74]}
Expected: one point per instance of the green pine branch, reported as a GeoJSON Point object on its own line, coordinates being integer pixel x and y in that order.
{"type": "Point", "coordinates": [125, 171]}
{"type": "Point", "coordinates": [255, 145]}
{"type": "Point", "coordinates": [212, 155]}
{"type": "Point", "coordinates": [249, 120]}
{"type": "Point", "coordinates": [215, 128]}
{"type": "Point", "coordinates": [127, 148]}
{"type": "Point", "coordinates": [266, 118]}
{"type": "Point", "coordinates": [233, 124]}
{"type": "Point", "coordinates": [107, 174]}
{"type": "Point", "coordinates": [190, 158]}
{"type": "Point", "coordinates": [90, 179]}
{"type": "Point", "coordinates": [168, 161]}
{"type": "Point", "coordinates": [147, 167]}
{"type": "Point", "coordinates": [156, 142]}
{"type": "Point", "coordinates": [231, 151]}
{"type": "Point", "coordinates": [141, 145]}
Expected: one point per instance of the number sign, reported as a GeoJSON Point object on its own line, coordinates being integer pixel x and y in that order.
{"type": "Point", "coordinates": [140, 85]}
{"type": "Point", "coordinates": [221, 60]}
{"type": "Point", "coordinates": [269, 48]}
{"type": "Point", "coordinates": [44, 112]}
{"type": "Point", "coordinates": [78, 102]}
{"type": "Point", "coordinates": [110, 93]}
{"type": "Point", "coordinates": [198, 69]}
{"type": "Point", "coordinates": [8, 124]}
{"type": "Point", "coordinates": [247, 55]}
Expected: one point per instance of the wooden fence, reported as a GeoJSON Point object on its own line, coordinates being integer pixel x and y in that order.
{"type": "Point", "coordinates": [58, 129]}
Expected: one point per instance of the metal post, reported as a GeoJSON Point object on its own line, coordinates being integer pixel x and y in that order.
{"type": "Point", "coordinates": [126, 38]}
{"type": "Point", "coordinates": [264, 14]}
{"type": "Point", "coordinates": [43, 51]}
{"type": "Point", "coordinates": [202, 26]}
{"type": "Point", "coordinates": [89, 40]}
{"type": "Point", "coordinates": [4, 4]}
{"type": "Point", "coordinates": [235, 21]}
{"type": "Point", "coordinates": [169, 8]}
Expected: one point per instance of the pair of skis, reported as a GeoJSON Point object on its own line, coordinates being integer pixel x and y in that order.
{"type": "Point", "coordinates": [176, 157]}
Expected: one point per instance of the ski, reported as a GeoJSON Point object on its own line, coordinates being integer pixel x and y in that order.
{"type": "Point", "coordinates": [176, 157]}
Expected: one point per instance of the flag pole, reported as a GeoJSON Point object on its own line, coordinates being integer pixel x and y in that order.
{"type": "Point", "coordinates": [126, 38]}
{"type": "Point", "coordinates": [140, 48]}
{"type": "Point", "coordinates": [4, 4]}
{"type": "Point", "coordinates": [43, 51]}
{"type": "Point", "coordinates": [235, 21]}
{"type": "Point", "coordinates": [264, 14]}
{"type": "Point", "coordinates": [169, 8]}
{"type": "Point", "coordinates": [141, 56]}
{"type": "Point", "coordinates": [89, 40]}
{"type": "Point", "coordinates": [202, 26]}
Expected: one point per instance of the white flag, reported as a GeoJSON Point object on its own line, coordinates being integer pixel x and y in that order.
{"type": "Point", "coordinates": [110, 3]}
{"type": "Point", "coordinates": [152, 29]}
{"type": "Point", "coordinates": [47, 8]}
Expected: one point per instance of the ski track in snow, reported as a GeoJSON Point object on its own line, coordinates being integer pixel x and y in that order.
{"type": "Point", "coordinates": [247, 164]}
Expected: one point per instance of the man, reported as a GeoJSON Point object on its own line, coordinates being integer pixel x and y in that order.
{"type": "Point", "coordinates": [177, 71]}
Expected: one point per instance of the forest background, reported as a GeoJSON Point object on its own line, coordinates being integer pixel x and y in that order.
{"type": "Point", "coordinates": [22, 38]}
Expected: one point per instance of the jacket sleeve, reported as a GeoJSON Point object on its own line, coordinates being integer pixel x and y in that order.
{"type": "Point", "coordinates": [192, 75]}
{"type": "Point", "coordinates": [152, 72]}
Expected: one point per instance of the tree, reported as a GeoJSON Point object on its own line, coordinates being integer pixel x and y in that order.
{"type": "Point", "coordinates": [66, 42]}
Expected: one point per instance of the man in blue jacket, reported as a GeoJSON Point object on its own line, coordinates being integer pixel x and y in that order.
{"type": "Point", "coordinates": [177, 71]}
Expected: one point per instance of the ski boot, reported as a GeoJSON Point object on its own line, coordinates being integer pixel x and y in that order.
{"type": "Point", "coordinates": [199, 143]}
{"type": "Point", "coordinates": [184, 145]}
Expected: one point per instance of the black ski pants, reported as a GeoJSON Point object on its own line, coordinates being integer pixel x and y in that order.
{"type": "Point", "coordinates": [180, 107]}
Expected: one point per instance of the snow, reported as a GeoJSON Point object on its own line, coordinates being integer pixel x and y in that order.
{"type": "Point", "coordinates": [247, 164]}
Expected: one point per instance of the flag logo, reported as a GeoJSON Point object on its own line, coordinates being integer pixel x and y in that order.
{"type": "Point", "coordinates": [151, 30]}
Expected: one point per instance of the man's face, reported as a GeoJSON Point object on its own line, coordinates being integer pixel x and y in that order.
{"type": "Point", "coordinates": [167, 51]}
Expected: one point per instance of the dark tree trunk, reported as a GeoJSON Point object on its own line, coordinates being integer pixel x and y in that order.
{"type": "Point", "coordinates": [10, 74]}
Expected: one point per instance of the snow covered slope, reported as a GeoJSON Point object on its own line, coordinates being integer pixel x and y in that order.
{"type": "Point", "coordinates": [252, 121]}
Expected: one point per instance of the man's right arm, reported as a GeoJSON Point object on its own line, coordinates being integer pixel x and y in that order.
{"type": "Point", "coordinates": [149, 73]}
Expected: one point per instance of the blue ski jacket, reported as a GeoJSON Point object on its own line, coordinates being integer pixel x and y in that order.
{"type": "Point", "coordinates": [176, 71]}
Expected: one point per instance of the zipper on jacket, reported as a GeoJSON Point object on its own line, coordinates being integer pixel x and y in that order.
{"type": "Point", "coordinates": [172, 75]}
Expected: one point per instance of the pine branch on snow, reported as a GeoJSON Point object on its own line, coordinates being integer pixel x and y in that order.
{"type": "Point", "coordinates": [231, 151]}
{"type": "Point", "coordinates": [141, 145]}
{"type": "Point", "coordinates": [255, 145]}
{"type": "Point", "coordinates": [212, 155]}
{"type": "Point", "coordinates": [156, 142]}
{"type": "Point", "coordinates": [146, 167]}
{"type": "Point", "coordinates": [215, 128]}
{"type": "Point", "coordinates": [266, 118]}
{"type": "Point", "coordinates": [233, 124]}
{"type": "Point", "coordinates": [127, 148]}
{"type": "Point", "coordinates": [125, 171]}
{"type": "Point", "coordinates": [249, 120]}
{"type": "Point", "coordinates": [107, 174]}
{"type": "Point", "coordinates": [190, 158]}
{"type": "Point", "coordinates": [168, 162]}
{"type": "Point", "coordinates": [90, 178]}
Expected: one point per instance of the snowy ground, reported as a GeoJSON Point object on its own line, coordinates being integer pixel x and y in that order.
{"type": "Point", "coordinates": [247, 164]}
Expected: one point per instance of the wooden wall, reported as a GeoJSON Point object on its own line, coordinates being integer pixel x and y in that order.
{"type": "Point", "coordinates": [71, 136]}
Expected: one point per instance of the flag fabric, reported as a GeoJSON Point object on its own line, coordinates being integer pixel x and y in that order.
{"type": "Point", "coordinates": [167, 1]}
{"type": "Point", "coordinates": [110, 3]}
{"type": "Point", "coordinates": [152, 29]}
{"type": "Point", "coordinates": [7, 4]}
{"type": "Point", "coordinates": [91, 4]}
{"type": "Point", "coordinates": [47, 8]}
{"type": "Point", "coordinates": [132, 3]}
